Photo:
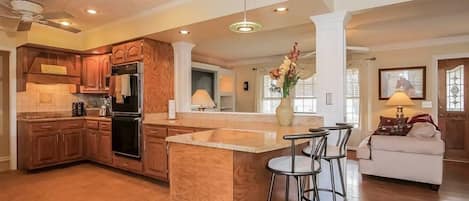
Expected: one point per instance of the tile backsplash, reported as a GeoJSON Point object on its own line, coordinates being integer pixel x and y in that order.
{"type": "Point", "coordinates": [51, 98]}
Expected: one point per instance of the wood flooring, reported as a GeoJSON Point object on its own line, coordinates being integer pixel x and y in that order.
{"type": "Point", "coordinates": [91, 182]}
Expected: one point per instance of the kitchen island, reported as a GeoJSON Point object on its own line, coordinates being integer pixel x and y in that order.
{"type": "Point", "coordinates": [227, 164]}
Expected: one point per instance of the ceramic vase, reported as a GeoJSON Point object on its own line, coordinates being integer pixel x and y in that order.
{"type": "Point", "coordinates": [284, 112]}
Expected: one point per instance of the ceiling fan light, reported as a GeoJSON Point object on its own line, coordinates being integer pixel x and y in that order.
{"type": "Point", "coordinates": [245, 27]}
{"type": "Point", "coordinates": [65, 23]}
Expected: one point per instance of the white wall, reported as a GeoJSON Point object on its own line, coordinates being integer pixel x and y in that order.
{"type": "Point", "coordinates": [8, 43]}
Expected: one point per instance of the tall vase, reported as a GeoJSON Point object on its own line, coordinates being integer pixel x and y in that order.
{"type": "Point", "coordinates": [284, 112]}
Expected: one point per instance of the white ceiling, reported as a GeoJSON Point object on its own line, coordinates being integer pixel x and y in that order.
{"type": "Point", "coordinates": [416, 20]}
{"type": "Point", "coordinates": [108, 10]}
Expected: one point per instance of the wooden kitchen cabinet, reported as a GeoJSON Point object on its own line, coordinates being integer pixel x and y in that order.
{"type": "Point", "coordinates": [72, 144]}
{"type": "Point", "coordinates": [45, 149]}
{"type": "Point", "coordinates": [96, 69]}
{"type": "Point", "coordinates": [127, 52]}
{"type": "Point", "coordinates": [104, 147]}
{"type": "Point", "coordinates": [155, 158]}
{"type": "Point", "coordinates": [91, 145]}
{"type": "Point", "coordinates": [42, 144]}
{"type": "Point", "coordinates": [179, 131]}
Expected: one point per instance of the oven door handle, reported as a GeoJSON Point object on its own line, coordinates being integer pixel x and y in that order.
{"type": "Point", "coordinates": [128, 118]}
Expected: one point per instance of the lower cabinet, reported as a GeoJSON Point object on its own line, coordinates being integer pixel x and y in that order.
{"type": "Point", "coordinates": [91, 144]}
{"type": "Point", "coordinates": [45, 149]}
{"type": "Point", "coordinates": [105, 147]}
{"type": "Point", "coordinates": [72, 144]}
{"type": "Point", "coordinates": [155, 158]}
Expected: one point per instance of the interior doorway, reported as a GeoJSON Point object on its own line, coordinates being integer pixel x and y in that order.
{"type": "Point", "coordinates": [453, 107]}
{"type": "Point", "coordinates": [4, 111]}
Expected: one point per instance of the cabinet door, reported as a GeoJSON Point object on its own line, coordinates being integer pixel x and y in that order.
{"type": "Point", "coordinates": [91, 144]}
{"type": "Point", "coordinates": [155, 157]}
{"type": "Point", "coordinates": [105, 69]}
{"type": "Point", "coordinates": [105, 147]}
{"type": "Point", "coordinates": [118, 54]}
{"type": "Point", "coordinates": [134, 51]}
{"type": "Point", "coordinates": [72, 144]}
{"type": "Point", "coordinates": [91, 73]}
{"type": "Point", "coordinates": [45, 148]}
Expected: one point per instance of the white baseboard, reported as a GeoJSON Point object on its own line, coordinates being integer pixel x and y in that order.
{"type": "Point", "coordinates": [4, 159]}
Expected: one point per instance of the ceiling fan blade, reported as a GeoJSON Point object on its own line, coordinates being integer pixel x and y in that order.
{"type": "Point", "coordinates": [24, 26]}
{"type": "Point", "coordinates": [59, 26]}
{"type": "Point", "coordinates": [56, 15]}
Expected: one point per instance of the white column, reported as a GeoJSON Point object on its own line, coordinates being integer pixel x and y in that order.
{"type": "Point", "coordinates": [182, 75]}
{"type": "Point", "coordinates": [330, 65]}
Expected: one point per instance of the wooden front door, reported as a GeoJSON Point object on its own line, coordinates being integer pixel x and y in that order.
{"type": "Point", "coordinates": [453, 107]}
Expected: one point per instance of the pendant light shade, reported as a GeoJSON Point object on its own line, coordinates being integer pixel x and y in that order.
{"type": "Point", "coordinates": [245, 26]}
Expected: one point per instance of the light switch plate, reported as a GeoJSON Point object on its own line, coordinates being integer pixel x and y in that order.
{"type": "Point", "coordinates": [427, 104]}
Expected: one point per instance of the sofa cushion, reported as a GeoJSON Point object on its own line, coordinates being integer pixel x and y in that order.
{"type": "Point", "coordinates": [422, 130]}
{"type": "Point", "coordinates": [408, 144]}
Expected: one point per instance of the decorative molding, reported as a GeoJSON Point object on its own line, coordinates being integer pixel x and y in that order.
{"type": "Point", "coordinates": [4, 159]}
{"type": "Point", "coordinates": [421, 43]}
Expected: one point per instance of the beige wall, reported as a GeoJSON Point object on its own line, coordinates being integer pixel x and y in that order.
{"type": "Point", "coordinates": [372, 107]}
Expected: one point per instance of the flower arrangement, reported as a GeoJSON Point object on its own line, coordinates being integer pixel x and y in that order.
{"type": "Point", "coordinates": [286, 75]}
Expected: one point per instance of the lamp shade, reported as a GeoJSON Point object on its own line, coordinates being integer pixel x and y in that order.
{"type": "Point", "coordinates": [202, 98]}
{"type": "Point", "coordinates": [399, 98]}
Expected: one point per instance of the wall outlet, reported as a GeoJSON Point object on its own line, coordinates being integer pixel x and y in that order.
{"type": "Point", "coordinates": [427, 104]}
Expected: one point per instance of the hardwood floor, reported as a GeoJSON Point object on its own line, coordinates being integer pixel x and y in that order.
{"type": "Point", "coordinates": [92, 182]}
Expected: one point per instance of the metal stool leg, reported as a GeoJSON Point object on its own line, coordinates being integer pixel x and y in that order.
{"type": "Point", "coordinates": [298, 185]}
{"type": "Point", "coordinates": [331, 167]}
{"type": "Point", "coordinates": [316, 190]}
{"type": "Point", "coordinates": [271, 189]}
{"type": "Point", "coordinates": [287, 189]}
{"type": "Point", "coordinates": [342, 179]}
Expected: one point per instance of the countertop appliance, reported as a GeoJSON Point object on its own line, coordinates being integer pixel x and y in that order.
{"type": "Point", "coordinates": [127, 109]}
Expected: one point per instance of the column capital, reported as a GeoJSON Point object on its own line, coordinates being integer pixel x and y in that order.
{"type": "Point", "coordinates": [183, 45]}
{"type": "Point", "coordinates": [332, 18]}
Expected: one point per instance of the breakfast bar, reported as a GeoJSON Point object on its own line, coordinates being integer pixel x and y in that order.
{"type": "Point", "coordinates": [227, 164]}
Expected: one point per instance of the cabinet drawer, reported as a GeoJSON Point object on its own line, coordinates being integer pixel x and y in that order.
{"type": "Point", "coordinates": [128, 164]}
{"type": "Point", "coordinates": [179, 131]}
{"type": "Point", "coordinates": [155, 131]}
{"type": "Point", "coordinates": [73, 124]}
{"type": "Point", "coordinates": [92, 124]}
{"type": "Point", "coordinates": [44, 126]}
{"type": "Point", "coordinates": [105, 126]}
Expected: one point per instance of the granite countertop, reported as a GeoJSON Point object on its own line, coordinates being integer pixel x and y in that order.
{"type": "Point", "coordinates": [252, 141]}
{"type": "Point", "coordinates": [45, 119]}
{"type": "Point", "coordinates": [183, 123]}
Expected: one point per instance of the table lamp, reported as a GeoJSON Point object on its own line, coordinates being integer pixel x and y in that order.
{"type": "Point", "coordinates": [400, 99]}
{"type": "Point", "coordinates": [202, 99]}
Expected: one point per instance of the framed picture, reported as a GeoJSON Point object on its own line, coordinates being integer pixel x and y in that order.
{"type": "Point", "coordinates": [410, 79]}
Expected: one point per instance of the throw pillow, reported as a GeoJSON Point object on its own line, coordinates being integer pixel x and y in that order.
{"type": "Point", "coordinates": [388, 121]}
{"type": "Point", "coordinates": [422, 130]}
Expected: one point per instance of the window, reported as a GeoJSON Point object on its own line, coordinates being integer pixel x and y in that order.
{"type": "Point", "coordinates": [352, 97]}
{"type": "Point", "coordinates": [304, 101]}
{"type": "Point", "coordinates": [455, 89]}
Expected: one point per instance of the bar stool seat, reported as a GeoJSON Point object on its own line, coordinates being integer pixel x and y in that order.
{"type": "Point", "coordinates": [302, 164]}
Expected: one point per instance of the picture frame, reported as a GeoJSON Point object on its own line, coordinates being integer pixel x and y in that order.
{"type": "Point", "coordinates": [411, 79]}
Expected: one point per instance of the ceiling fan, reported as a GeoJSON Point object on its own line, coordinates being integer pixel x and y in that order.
{"type": "Point", "coordinates": [22, 13]}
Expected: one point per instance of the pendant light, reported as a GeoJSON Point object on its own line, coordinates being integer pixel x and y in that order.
{"type": "Point", "coordinates": [245, 26]}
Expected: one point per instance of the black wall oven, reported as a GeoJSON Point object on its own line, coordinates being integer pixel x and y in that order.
{"type": "Point", "coordinates": [127, 110]}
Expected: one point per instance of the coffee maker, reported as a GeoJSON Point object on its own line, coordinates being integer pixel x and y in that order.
{"type": "Point", "coordinates": [105, 109]}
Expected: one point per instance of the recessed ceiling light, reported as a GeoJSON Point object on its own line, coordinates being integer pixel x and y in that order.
{"type": "Point", "coordinates": [65, 23]}
{"type": "Point", "coordinates": [91, 11]}
{"type": "Point", "coordinates": [281, 9]}
{"type": "Point", "coordinates": [184, 32]}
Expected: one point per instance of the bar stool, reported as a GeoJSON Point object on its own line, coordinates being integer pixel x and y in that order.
{"type": "Point", "coordinates": [335, 152]}
{"type": "Point", "coordinates": [299, 166]}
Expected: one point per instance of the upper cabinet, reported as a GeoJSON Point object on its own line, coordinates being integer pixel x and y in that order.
{"type": "Point", "coordinates": [127, 52]}
{"type": "Point", "coordinates": [45, 66]}
{"type": "Point", "coordinates": [96, 74]}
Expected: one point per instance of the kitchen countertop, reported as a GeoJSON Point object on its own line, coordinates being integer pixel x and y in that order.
{"type": "Point", "coordinates": [252, 141]}
{"type": "Point", "coordinates": [45, 119]}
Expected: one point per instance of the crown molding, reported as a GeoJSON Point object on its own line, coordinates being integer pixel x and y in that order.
{"type": "Point", "coordinates": [421, 43]}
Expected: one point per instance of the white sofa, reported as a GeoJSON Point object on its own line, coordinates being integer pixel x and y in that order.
{"type": "Point", "coordinates": [403, 157]}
